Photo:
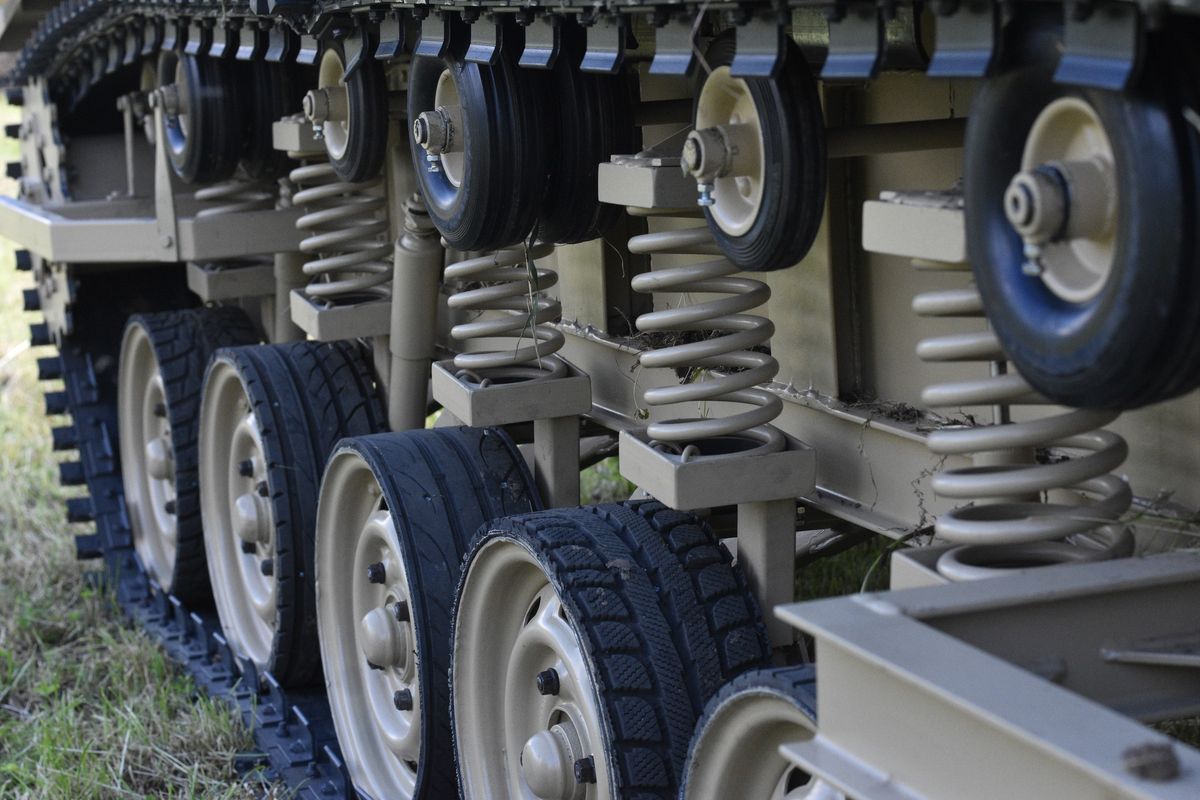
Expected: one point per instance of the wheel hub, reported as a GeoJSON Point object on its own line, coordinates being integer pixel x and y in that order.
{"type": "Point", "coordinates": [1063, 202]}
{"type": "Point", "coordinates": [548, 763]}
{"type": "Point", "coordinates": [158, 458]}
{"type": "Point", "coordinates": [384, 640]}
{"type": "Point", "coordinates": [440, 131]}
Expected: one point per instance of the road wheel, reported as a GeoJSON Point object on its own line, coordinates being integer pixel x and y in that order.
{"type": "Point", "coordinates": [269, 419]}
{"type": "Point", "coordinates": [397, 512]}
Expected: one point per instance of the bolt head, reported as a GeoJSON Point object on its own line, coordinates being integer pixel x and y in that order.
{"type": "Point", "coordinates": [249, 548]}
{"type": "Point", "coordinates": [267, 567]}
{"type": "Point", "coordinates": [169, 506]}
{"type": "Point", "coordinates": [403, 700]}
{"type": "Point", "coordinates": [585, 770]}
{"type": "Point", "coordinates": [262, 489]}
{"type": "Point", "coordinates": [160, 409]}
{"type": "Point", "coordinates": [246, 468]}
{"type": "Point", "coordinates": [400, 611]}
{"type": "Point", "coordinates": [377, 573]}
{"type": "Point", "coordinates": [547, 682]}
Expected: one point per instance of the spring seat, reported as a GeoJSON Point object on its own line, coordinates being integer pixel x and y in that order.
{"type": "Point", "coordinates": [1010, 519]}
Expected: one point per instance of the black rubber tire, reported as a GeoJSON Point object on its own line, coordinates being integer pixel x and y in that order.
{"type": "Point", "coordinates": [652, 606]}
{"type": "Point", "coordinates": [505, 162]}
{"type": "Point", "coordinates": [593, 117]}
{"type": "Point", "coordinates": [443, 484]}
{"type": "Point", "coordinates": [793, 201]}
{"type": "Point", "coordinates": [183, 341]}
{"type": "Point", "coordinates": [273, 93]}
{"type": "Point", "coordinates": [367, 103]}
{"type": "Point", "coordinates": [208, 150]}
{"type": "Point", "coordinates": [796, 686]}
{"type": "Point", "coordinates": [1138, 341]}
{"type": "Point", "coordinates": [306, 397]}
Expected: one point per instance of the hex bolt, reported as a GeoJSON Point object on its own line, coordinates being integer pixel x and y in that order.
{"type": "Point", "coordinates": [246, 468]}
{"type": "Point", "coordinates": [160, 409]}
{"type": "Point", "coordinates": [376, 573]}
{"type": "Point", "coordinates": [585, 770]}
{"type": "Point", "coordinates": [1152, 761]}
{"type": "Point", "coordinates": [400, 611]}
{"type": "Point", "coordinates": [547, 682]}
{"type": "Point", "coordinates": [169, 506]}
{"type": "Point", "coordinates": [267, 567]}
{"type": "Point", "coordinates": [403, 699]}
{"type": "Point", "coordinates": [261, 488]}
{"type": "Point", "coordinates": [249, 548]}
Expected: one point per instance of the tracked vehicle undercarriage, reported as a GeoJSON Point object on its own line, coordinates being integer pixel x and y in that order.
{"type": "Point", "coordinates": [346, 295]}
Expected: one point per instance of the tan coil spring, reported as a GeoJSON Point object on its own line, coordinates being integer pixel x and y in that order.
{"type": "Point", "coordinates": [234, 196]}
{"type": "Point", "coordinates": [348, 233]}
{"type": "Point", "coordinates": [1005, 484]}
{"type": "Point", "coordinates": [722, 355]}
{"type": "Point", "coordinates": [509, 282]}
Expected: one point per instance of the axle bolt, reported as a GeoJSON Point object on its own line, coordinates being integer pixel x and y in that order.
{"type": "Point", "coordinates": [376, 573]}
{"type": "Point", "coordinates": [585, 770]}
{"type": "Point", "coordinates": [267, 567]}
{"type": "Point", "coordinates": [403, 700]}
{"type": "Point", "coordinates": [246, 468]}
{"type": "Point", "coordinates": [547, 682]}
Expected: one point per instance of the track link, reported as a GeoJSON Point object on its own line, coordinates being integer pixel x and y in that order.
{"type": "Point", "coordinates": [293, 730]}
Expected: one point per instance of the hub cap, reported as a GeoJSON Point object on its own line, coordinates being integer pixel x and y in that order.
{"type": "Point", "coordinates": [328, 106]}
{"type": "Point", "coordinates": [147, 456]}
{"type": "Point", "coordinates": [525, 709]}
{"type": "Point", "coordinates": [368, 643]}
{"type": "Point", "coordinates": [238, 523]}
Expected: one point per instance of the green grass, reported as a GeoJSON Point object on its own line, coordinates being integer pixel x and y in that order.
{"type": "Point", "coordinates": [89, 707]}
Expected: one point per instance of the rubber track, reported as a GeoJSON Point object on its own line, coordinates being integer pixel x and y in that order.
{"type": "Point", "coordinates": [183, 342]}
{"type": "Point", "coordinates": [306, 396]}
{"type": "Point", "coordinates": [440, 486]}
{"type": "Point", "coordinates": [627, 599]}
{"type": "Point", "coordinates": [293, 730]}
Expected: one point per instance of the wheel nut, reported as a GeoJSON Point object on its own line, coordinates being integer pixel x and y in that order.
{"type": "Point", "coordinates": [585, 770]}
{"type": "Point", "coordinates": [160, 409]}
{"type": "Point", "coordinates": [403, 700]}
{"type": "Point", "coordinates": [262, 489]}
{"type": "Point", "coordinates": [249, 548]}
{"type": "Point", "coordinates": [400, 611]}
{"type": "Point", "coordinates": [547, 682]}
{"type": "Point", "coordinates": [267, 567]}
{"type": "Point", "coordinates": [376, 573]}
{"type": "Point", "coordinates": [169, 506]}
{"type": "Point", "coordinates": [246, 468]}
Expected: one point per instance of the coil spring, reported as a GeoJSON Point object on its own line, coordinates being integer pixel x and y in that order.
{"type": "Point", "coordinates": [348, 234]}
{"type": "Point", "coordinates": [513, 284]}
{"type": "Point", "coordinates": [1010, 517]}
{"type": "Point", "coordinates": [234, 196]}
{"type": "Point", "coordinates": [738, 368]}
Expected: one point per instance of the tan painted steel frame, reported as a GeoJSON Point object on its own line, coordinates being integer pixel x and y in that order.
{"type": "Point", "coordinates": [1007, 687]}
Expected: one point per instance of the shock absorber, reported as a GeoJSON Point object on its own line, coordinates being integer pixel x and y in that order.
{"type": "Point", "coordinates": [347, 233]}
{"type": "Point", "coordinates": [234, 196]}
{"type": "Point", "coordinates": [510, 282]}
{"type": "Point", "coordinates": [1011, 519]}
{"type": "Point", "coordinates": [718, 360]}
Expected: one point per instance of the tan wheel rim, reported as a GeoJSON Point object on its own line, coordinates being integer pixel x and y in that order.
{"type": "Point", "coordinates": [1068, 137]}
{"type": "Point", "coordinates": [239, 529]}
{"type": "Point", "coordinates": [453, 162]}
{"type": "Point", "coordinates": [726, 101]}
{"type": "Point", "coordinates": [331, 75]}
{"type": "Point", "coordinates": [147, 455]}
{"type": "Point", "coordinates": [738, 755]}
{"type": "Point", "coordinates": [512, 740]}
{"type": "Point", "coordinates": [368, 646]}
